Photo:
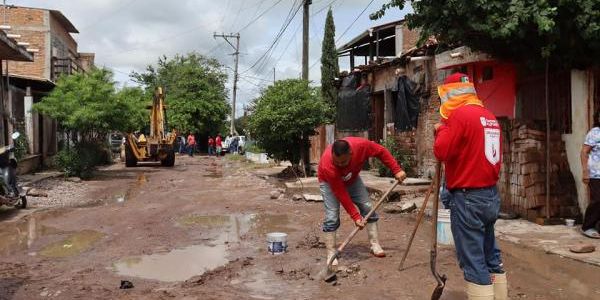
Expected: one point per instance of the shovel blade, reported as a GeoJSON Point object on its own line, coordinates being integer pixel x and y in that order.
{"type": "Point", "coordinates": [439, 289]}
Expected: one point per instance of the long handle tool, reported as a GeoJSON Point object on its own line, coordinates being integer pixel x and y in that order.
{"type": "Point", "coordinates": [441, 279]}
{"type": "Point", "coordinates": [329, 274]}
{"type": "Point", "coordinates": [419, 218]}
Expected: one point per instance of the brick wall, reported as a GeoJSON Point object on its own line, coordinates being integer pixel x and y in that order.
{"type": "Point", "coordinates": [418, 144]}
{"type": "Point", "coordinates": [409, 38]}
{"type": "Point", "coordinates": [31, 24]}
{"type": "Point", "coordinates": [523, 177]}
{"type": "Point", "coordinates": [62, 40]}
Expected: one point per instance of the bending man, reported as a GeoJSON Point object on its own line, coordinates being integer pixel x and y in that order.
{"type": "Point", "coordinates": [340, 183]}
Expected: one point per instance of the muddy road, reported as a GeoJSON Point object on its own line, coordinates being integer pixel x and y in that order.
{"type": "Point", "coordinates": [197, 231]}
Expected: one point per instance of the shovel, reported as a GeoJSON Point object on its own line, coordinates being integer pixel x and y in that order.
{"type": "Point", "coordinates": [441, 279]}
{"type": "Point", "coordinates": [330, 275]}
{"type": "Point", "coordinates": [419, 218]}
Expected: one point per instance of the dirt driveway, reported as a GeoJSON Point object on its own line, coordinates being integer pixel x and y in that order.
{"type": "Point", "coordinates": [197, 231]}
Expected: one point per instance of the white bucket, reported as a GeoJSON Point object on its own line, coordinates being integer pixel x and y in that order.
{"type": "Point", "coordinates": [444, 232]}
{"type": "Point", "coordinates": [570, 222]}
{"type": "Point", "coordinates": [277, 243]}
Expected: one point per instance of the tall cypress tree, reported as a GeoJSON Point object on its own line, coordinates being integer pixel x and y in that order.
{"type": "Point", "coordinates": [329, 62]}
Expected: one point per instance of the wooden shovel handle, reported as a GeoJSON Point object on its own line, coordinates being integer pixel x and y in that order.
{"type": "Point", "coordinates": [377, 205]}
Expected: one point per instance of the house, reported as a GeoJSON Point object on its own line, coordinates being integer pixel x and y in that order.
{"type": "Point", "coordinates": [512, 92]}
{"type": "Point", "coordinates": [9, 50]}
{"type": "Point", "coordinates": [369, 95]}
{"type": "Point", "coordinates": [516, 96]}
{"type": "Point", "coordinates": [51, 33]}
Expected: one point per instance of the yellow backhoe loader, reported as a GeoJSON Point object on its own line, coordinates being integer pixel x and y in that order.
{"type": "Point", "coordinates": [159, 145]}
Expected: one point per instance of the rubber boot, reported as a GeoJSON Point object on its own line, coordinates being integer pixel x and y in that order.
{"type": "Point", "coordinates": [330, 245]}
{"type": "Point", "coordinates": [500, 286]}
{"type": "Point", "coordinates": [480, 292]}
{"type": "Point", "coordinates": [375, 247]}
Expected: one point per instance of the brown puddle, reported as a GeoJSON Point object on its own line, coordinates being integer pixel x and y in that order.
{"type": "Point", "coordinates": [21, 235]}
{"type": "Point", "coordinates": [182, 264]}
{"type": "Point", "coordinates": [241, 223]}
{"type": "Point", "coordinates": [176, 265]}
{"type": "Point", "coordinates": [73, 245]}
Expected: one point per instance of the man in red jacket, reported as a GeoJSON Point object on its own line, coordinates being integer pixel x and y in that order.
{"type": "Point", "coordinates": [468, 142]}
{"type": "Point", "coordinates": [340, 183]}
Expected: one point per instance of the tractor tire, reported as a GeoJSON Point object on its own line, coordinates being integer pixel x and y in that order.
{"type": "Point", "coordinates": [169, 161]}
{"type": "Point", "coordinates": [130, 159]}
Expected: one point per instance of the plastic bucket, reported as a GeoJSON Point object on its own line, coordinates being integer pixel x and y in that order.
{"type": "Point", "coordinates": [277, 243]}
{"type": "Point", "coordinates": [570, 222]}
{"type": "Point", "coordinates": [444, 232]}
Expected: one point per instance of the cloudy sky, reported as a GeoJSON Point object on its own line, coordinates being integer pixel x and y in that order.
{"type": "Point", "coordinates": [128, 35]}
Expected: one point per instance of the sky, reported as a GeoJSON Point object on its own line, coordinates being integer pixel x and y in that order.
{"type": "Point", "coordinates": [128, 35]}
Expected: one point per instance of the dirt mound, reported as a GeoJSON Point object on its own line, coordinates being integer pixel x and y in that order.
{"type": "Point", "coordinates": [291, 173]}
{"type": "Point", "coordinates": [310, 241]}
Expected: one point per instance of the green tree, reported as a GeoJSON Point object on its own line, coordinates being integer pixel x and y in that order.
{"type": "Point", "coordinates": [195, 91]}
{"type": "Point", "coordinates": [329, 62]}
{"type": "Point", "coordinates": [87, 103]}
{"type": "Point", "coordinates": [135, 101]}
{"type": "Point", "coordinates": [566, 32]}
{"type": "Point", "coordinates": [284, 116]}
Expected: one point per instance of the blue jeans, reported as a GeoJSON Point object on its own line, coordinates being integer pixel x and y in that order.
{"type": "Point", "coordinates": [473, 213]}
{"type": "Point", "coordinates": [359, 195]}
{"type": "Point", "coordinates": [211, 150]}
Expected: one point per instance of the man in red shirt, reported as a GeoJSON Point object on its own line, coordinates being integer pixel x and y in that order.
{"type": "Point", "coordinates": [191, 140]}
{"type": "Point", "coordinates": [211, 145]}
{"type": "Point", "coordinates": [468, 142]}
{"type": "Point", "coordinates": [219, 144]}
{"type": "Point", "coordinates": [340, 183]}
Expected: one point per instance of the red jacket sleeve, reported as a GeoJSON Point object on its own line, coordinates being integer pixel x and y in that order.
{"type": "Point", "coordinates": [376, 150]}
{"type": "Point", "coordinates": [447, 137]}
{"type": "Point", "coordinates": [340, 192]}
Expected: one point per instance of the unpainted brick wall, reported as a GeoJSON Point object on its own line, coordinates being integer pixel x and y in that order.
{"type": "Point", "coordinates": [31, 24]}
{"type": "Point", "coordinates": [523, 177]}
{"type": "Point", "coordinates": [418, 144]}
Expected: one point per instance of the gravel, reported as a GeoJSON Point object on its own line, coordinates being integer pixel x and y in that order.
{"type": "Point", "coordinates": [59, 192]}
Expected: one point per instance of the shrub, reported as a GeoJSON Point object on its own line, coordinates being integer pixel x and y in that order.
{"type": "Point", "coordinates": [22, 143]}
{"type": "Point", "coordinates": [82, 159]}
{"type": "Point", "coordinates": [400, 155]}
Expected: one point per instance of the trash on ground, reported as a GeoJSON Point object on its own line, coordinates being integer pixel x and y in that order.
{"type": "Point", "coordinates": [125, 284]}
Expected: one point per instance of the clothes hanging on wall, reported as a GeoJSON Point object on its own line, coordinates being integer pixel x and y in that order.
{"type": "Point", "coordinates": [407, 105]}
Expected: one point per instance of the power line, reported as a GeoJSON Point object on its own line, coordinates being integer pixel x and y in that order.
{"type": "Point", "coordinates": [164, 38]}
{"type": "Point", "coordinates": [346, 30]}
{"type": "Point", "coordinates": [260, 16]}
{"type": "Point", "coordinates": [285, 25]}
{"type": "Point", "coordinates": [356, 19]}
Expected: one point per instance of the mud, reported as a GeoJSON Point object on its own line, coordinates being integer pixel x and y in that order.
{"type": "Point", "coordinates": [177, 234]}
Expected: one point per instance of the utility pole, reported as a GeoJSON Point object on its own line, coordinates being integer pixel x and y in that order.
{"type": "Point", "coordinates": [273, 75]}
{"type": "Point", "coordinates": [305, 32]}
{"type": "Point", "coordinates": [236, 48]}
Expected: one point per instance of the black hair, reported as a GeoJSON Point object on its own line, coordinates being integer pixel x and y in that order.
{"type": "Point", "coordinates": [340, 147]}
{"type": "Point", "coordinates": [596, 122]}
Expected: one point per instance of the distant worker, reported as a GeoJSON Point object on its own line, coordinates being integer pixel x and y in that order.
{"type": "Point", "coordinates": [233, 145]}
{"type": "Point", "coordinates": [191, 141]}
{"type": "Point", "coordinates": [340, 183]}
{"type": "Point", "coordinates": [590, 164]}
{"type": "Point", "coordinates": [219, 144]}
{"type": "Point", "coordinates": [211, 145]}
{"type": "Point", "coordinates": [468, 142]}
{"type": "Point", "coordinates": [182, 144]}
